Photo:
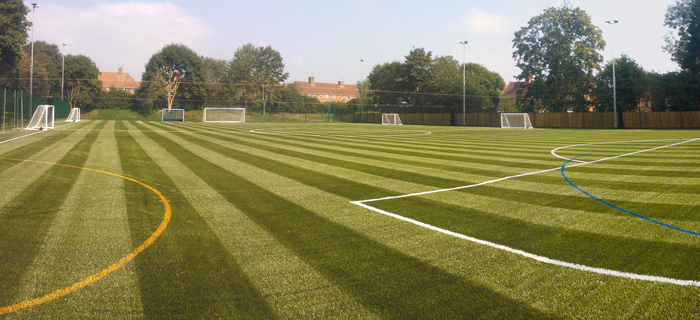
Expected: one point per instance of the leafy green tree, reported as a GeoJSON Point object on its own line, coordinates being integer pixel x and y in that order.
{"type": "Point", "coordinates": [81, 84]}
{"type": "Point", "coordinates": [115, 98]}
{"type": "Point", "coordinates": [13, 33]}
{"type": "Point", "coordinates": [417, 70]}
{"type": "Point", "coordinates": [47, 68]}
{"type": "Point", "coordinates": [214, 73]}
{"type": "Point", "coordinates": [560, 49]}
{"type": "Point", "coordinates": [445, 86]}
{"type": "Point", "coordinates": [631, 85]}
{"type": "Point", "coordinates": [174, 72]}
{"type": "Point", "coordinates": [385, 83]}
{"type": "Point", "coordinates": [255, 72]}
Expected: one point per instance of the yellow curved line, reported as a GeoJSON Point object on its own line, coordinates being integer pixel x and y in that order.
{"type": "Point", "coordinates": [97, 276]}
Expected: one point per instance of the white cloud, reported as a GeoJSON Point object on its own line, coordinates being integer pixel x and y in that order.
{"type": "Point", "coordinates": [127, 33]}
{"type": "Point", "coordinates": [477, 22]}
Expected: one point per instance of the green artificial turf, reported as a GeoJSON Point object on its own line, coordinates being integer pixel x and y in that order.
{"type": "Point", "coordinates": [263, 225]}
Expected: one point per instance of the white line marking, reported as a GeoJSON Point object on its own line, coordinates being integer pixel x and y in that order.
{"type": "Point", "coordinates": [31, 134]}
{"type": "Point", "coordinates": [542, 259]}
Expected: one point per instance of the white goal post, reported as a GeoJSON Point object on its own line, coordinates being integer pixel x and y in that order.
{"type": "Point", "coordinates": [42, 118]}
{"type": "Point", "coordinates": [74, 115]}
{"type": "Point", "coordinates": [391, 119]}
{"type": "Point", "coordinates": [173, 115]}
{"type": "Point", "coordinates": [516, 120]}
{"type": "Point", "coordinates": [224, 115]}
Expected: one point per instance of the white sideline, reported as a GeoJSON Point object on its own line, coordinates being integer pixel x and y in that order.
{"type": "Point", "coordinates": [614, 273]}
{"type": "Point", "coordinates": [31, 134]}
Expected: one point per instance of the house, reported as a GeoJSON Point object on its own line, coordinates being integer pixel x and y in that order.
{"type": "Point", "coordinates": [328, 92]}
{"type": "Point", "coordinates": [118, 80]}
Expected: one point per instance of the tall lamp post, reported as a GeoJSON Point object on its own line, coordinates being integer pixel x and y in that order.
{"type": "Point", "coordinates": [63, 69]}
{"type": "Point", "coordinates": [614, 82]}
{"type": "Point", "coordinates": [362, 91]}
{"type": "Point", "coordinates": [464, 82]}
{"type": "Point", "coordinates": [31, 64]}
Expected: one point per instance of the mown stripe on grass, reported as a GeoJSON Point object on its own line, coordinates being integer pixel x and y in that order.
{"type": "Point", "coordinates": [26, 220]}
{"type": "Point", "coordinates": [531, 197]}
{"type": "Point", "coordinates": [187, 271]}
{"type": "Point", "coordinates": [292, 287]}
{"type": "Point", "coordinates": [89, 234]}
{"type": "Point", "coordinates": [672, 260]}
{"type": "Point", "coordinates": [27, 150]}
{"type": "Point", "coordinates": [381, 278]}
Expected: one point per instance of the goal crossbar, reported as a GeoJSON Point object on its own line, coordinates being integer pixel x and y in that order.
{"type": "Point", "coordinates": [391, 119]}
{"type": "Point", "coordinates": [224, 115]}
{"type": "Point", "coordinates": [173, 115]}
{"type": "Point", "coordinates": [516, 120]}
{"type": "Point", "coordinates": [74, 115]}
{"type": "Point", "coordinates": [42, 119]}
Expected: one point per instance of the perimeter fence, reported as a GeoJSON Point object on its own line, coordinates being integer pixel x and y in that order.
{"type": "Point", "coordinates": [17, 108]}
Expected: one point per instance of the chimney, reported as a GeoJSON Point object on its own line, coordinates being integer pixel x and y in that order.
{"type": "Point", "coordinates": [120, 70]}
{"type": "Point", "coordinates": [312, 82]}
{"type": "Point", "coordinates": [341, 84]}
{"type": "Point", "coordinates": [529, 79]}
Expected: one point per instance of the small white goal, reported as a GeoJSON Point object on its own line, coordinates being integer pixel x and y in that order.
{"type": "Point", "coordinates": [391, 119]}
{"type": "Point", "coordinates": [224, 115]}
{"type": "Point", "coordinates": [516, 120]}
{"type": "Point", "coordinates": [173, 115]}
{"type": "Point", "coordinates": [42, 118]}
{"type": "Point", "coordinates": [74, 115]}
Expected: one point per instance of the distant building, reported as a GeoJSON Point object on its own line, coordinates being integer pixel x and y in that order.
{"type": "Point", "coordinates": [328, 92]}
{"type": "Point", "coordinates": [118, 80]}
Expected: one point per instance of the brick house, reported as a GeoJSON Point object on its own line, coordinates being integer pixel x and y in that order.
{"type": "Point", "coordinates": [328, 92]}
{"type": "Point", "coordinates": [118, 80]}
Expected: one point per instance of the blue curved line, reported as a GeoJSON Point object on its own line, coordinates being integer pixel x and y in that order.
{"type": "Point", "coordinates": [614, 206]}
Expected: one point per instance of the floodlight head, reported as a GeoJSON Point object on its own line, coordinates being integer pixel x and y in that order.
{"type": "Point", "coordinates": [464, 42]}
{"type": "Point", "coordinates": [35, 5]}
{"type": "Point", "coordinates": [613, 22]}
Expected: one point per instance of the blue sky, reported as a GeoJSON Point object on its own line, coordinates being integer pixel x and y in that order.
{"type": "Point", "coordinates": [327, 39]}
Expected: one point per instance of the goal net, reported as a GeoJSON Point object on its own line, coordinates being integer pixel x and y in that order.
{"type": "Point", "coordinates": [42, 118]}
{"type": "Point", "coordinates": [516, 120]}
{"type": "Point", "coordinates": [391, 119]}
{"type": "Point", "coordinates": [173, 115]}
{"type": "Point", "coordinates": [74, 115]}
{"type": "Point", "coordinates": [226, 115]}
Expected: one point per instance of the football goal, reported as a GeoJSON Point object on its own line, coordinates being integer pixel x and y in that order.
{"type": "Point", "coordinates": [173, 115]}
{"type": "Point", "coordinates": [225, 115]}
{"type": "Point", "coordinates": [74, 115]}
{"type": "Point", "coordinates": [42, 118]}
{"type": "Point", "coordinates": [391, 119]}
{"type": "Point", "coordinates": [516, 120]}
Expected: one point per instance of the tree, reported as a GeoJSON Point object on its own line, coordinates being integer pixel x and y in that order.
{"type": "Point", "coordinates": [13, 33]}
{"type": "Point", "coordinates": [174, 72]}
{"type": "Point", "coordinates": [559, 48]}
{"type": "Point", "coordinates": [47, 67]}
{"type": "Point", "coordinates": [255, 71]}
{"type": "Point", "coordinates": [81, 84]}
{"type": "Point", "coordinates": [214, 74]}
{"type": "Point", "coordinates": [385, 83]}
{"type": "Point", "coordinates": [631, 85]}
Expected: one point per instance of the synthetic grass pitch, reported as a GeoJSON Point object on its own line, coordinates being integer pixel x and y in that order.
{"type": "Point", "coordinates": [266, 222]}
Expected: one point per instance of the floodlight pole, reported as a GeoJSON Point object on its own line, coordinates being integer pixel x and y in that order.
{"type": "Point", "coordinates": [31, 64]}
{"type": "Point", "coordinates": [464, 82]}
{"type": "Point", "coordinates": [63, 69]}
{"type": "Point", "coordinates": [614, 80]}
{"type": "Point", "coordinates": [362, 90]}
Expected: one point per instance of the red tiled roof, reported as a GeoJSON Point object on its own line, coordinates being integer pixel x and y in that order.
{"type": "Point", "coordinates": [118, 80]}
{"type": "Point", "coordinates": [327, 88]}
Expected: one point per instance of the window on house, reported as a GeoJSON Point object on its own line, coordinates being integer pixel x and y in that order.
{"type": "Point", "coordinates": [320, 96]}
